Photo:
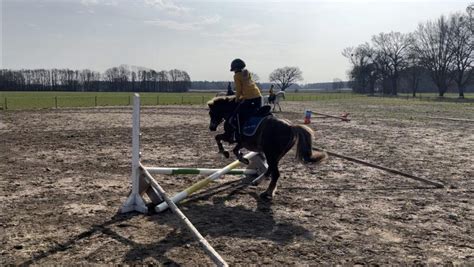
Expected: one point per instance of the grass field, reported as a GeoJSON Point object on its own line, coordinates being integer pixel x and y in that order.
{"type": "Point", "coordinates": [42, 100]}
{"type": "Point", "coordinates": [39, 100]}
{"type": "Point", "coordinates": [435, 95]}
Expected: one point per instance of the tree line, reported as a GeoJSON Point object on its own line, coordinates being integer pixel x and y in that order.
{"type": "Point", "coordinates": [123, 78]}
{"type": "Point", "coordinates": [441, 50]}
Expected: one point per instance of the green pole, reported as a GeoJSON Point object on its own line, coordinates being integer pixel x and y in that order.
{"type": "Point", "coordinates": [6, 107]}
{"type": "Point", "coordinates": [95, 101]}
{"type": "Point", "coordinates": [56, 102]}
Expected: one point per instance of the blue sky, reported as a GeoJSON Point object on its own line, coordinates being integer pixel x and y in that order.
{"type": "Point", "coordinates": [202, 37]}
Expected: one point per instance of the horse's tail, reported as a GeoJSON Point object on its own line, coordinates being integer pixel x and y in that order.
{"type": "Point", "coordinates": [304, 149]}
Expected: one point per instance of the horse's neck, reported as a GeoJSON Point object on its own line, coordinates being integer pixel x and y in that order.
{"type": "Point", "coordinates": [229, 111]}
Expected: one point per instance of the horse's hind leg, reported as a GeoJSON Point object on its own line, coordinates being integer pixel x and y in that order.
{"type": "Point", "coordinates": [275, 174]}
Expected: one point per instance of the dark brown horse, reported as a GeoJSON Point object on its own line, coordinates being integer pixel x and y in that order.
{"type": "Point", "coordinates": [274, 138]}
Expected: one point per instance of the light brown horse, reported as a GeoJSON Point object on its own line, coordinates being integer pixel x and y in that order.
{"type": "Point", "coordinates": [274, 138]}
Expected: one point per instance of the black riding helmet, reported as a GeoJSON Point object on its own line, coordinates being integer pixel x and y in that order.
{"type": "Point", "coordinates": [237, 64]}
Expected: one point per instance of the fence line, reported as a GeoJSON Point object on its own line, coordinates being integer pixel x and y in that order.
{"type": "Point", "coordinates": [26, 102]}
{"type": "Point", "coordinates": [38, 102]}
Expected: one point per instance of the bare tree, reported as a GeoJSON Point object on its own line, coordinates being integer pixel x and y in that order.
{"type": "Point", "coordinates": [365, 71]}
{"type": "Point", "coordinates": [163, 80]}
{"type": "Point", "coordinates": [54, 78]}
{"type": "Point", "coordinates": [461, 43]}
{"type": "Point", "coordinates": [433, 50]}
{"type": "Point", "coordinates": [134, 79]}
{"type": "Point", "coordinates": [470, 13]}
{"type": "Point", "coordinates": [111, 75]}
{"type": "Point", "coordinates": [392, 51]}
{"type": "Point", "coordinates": [84, 79]}
{"type": "Point", "coordinates": [180, 80]}
{"type": "Point", "coordinates": [413, 71]}
{"type": "Point", "coordinates": [286, 76]}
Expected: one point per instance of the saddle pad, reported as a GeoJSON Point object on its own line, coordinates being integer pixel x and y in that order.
{"type": "Point", "coordinates": [251, 125]}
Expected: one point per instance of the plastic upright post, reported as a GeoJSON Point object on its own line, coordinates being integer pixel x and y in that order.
{"type": "Point", "coordinates": [135, 201]}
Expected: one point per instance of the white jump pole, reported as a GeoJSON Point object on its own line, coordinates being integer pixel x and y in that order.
{"type": "Point", "coordinates": [202, 171]}
{"type": "Point", "coordinates": [188, 191]}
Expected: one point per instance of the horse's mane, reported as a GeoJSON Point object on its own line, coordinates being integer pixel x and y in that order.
{"type": "Point", "coordinates": [221, 100]}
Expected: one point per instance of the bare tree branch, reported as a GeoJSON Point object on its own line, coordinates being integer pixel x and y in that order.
{"type": "Point", "coordinates": [286, 76]}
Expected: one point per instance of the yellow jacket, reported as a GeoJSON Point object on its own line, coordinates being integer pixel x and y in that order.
{"type": "Point", "coordinates": [245, 87]}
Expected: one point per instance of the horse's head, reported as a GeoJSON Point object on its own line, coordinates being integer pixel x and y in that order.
{"type": "Point", "coordinates": [220, 108]}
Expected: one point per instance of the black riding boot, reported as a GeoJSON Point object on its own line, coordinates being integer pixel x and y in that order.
{"type": "Point", "coordinates": [238, 130]}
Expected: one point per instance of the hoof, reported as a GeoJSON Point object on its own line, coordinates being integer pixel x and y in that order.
{"type": "Point", "coordinates": [266, 196]}
{"type": "Point", "coordinates": [226, 154]}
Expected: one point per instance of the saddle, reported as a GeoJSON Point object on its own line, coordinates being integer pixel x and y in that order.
{"type": "Point", "coordinates": [263, 111]}
{"type": "Point", "coordinates": [250, 125]}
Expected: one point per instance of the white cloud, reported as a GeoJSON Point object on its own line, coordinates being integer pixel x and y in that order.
{"type": "Point", "coordinates": [172, 24]}
{"type": "Point", "coordinates": [89, 2]}
{"type": "Point", "coordinates": [168, 5]}
{"type": "Point", "coordinates": [185, 26]}
{"type": "Point", "coordinates": [90, 5]}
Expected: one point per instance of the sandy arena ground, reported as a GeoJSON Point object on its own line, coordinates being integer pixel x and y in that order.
{"type": "Point", "coordinates": [65, 173]}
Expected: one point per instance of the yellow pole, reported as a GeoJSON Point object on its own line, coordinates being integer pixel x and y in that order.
{"type": "Point", "coordinates": [203, 183]}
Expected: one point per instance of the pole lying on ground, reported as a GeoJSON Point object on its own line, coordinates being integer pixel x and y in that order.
{"type": "Point", "coordinates": [436, 184]}
{"type": "Point", "coordinates": [188, 191]}
{"type": "Point", "coordinates": [203, 171]}
{"type": "Point", "coordinates": [343, 118]}
{"type": "Point", "coordinates": [451, 119]}
{"type": "Point", "coordinates": [218, 260]}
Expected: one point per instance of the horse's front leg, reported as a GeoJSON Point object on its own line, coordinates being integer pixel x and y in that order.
{"type": "Point", "coordinates": [239, 154]}
{"type": "Point", "coordinates": [219, 139]}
